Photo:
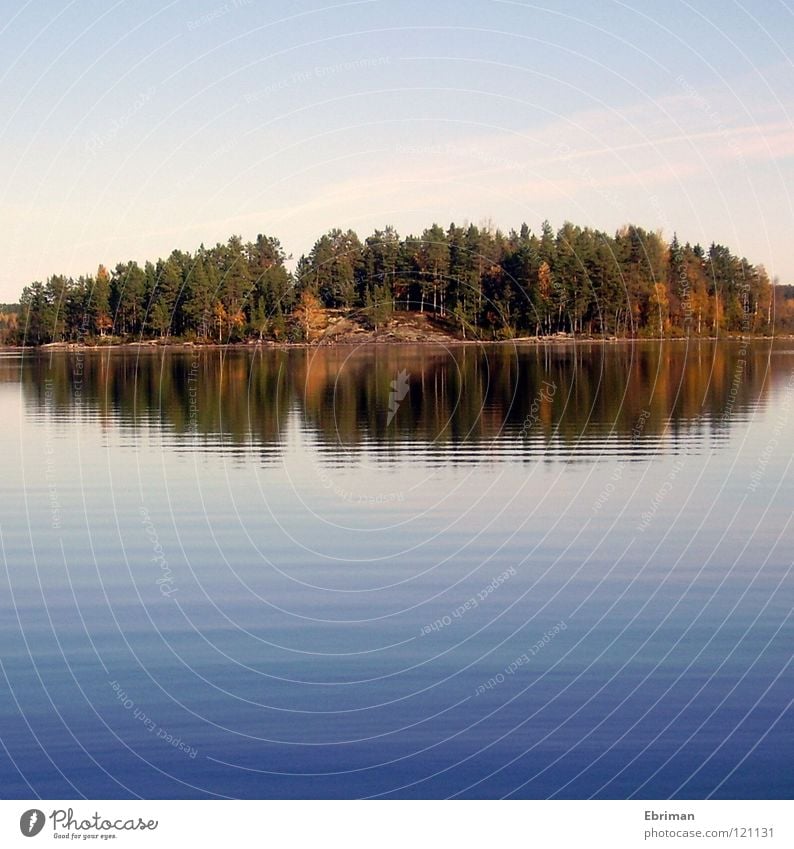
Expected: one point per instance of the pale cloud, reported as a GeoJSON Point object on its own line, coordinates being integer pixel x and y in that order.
{"type": "Point", "coordinates": [641, 147]}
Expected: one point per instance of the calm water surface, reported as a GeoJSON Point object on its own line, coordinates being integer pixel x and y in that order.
{"type": "Point", "coordinates": [476, 572]}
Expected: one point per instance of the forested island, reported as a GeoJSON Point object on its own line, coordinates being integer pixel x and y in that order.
{"type": "Point", "coordinates": [466, 282]}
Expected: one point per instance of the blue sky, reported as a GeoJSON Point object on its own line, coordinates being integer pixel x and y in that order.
{"type": "Point", "coordinates": [131, 128]}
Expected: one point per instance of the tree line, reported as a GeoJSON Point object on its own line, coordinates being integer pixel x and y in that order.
{"type": "Point", "coordinates": [479, 282]}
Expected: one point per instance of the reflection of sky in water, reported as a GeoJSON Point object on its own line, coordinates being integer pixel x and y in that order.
{"type": "Point", "coordinates": [297, 656]}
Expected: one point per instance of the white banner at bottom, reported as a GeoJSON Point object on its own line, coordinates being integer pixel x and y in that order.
{"type": "Point", "coordinates": [399, 824]}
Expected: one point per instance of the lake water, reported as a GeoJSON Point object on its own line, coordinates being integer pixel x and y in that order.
{"type": "Point", "coordinates": [559, 571]}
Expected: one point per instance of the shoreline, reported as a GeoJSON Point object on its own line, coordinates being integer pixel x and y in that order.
{"type": "Point", "coordinates": [524, 341]}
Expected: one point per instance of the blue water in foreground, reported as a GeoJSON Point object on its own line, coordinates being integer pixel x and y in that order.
{"type": "Point", "coordinates": [506, 573]}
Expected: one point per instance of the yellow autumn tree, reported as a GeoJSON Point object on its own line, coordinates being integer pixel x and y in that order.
{"type": "Point", "coordinates": [309, 314]}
